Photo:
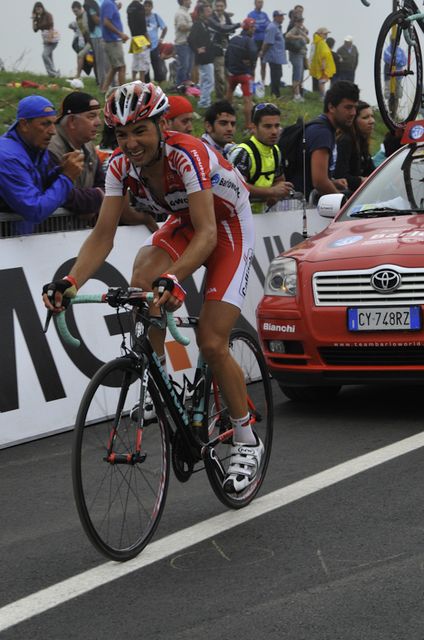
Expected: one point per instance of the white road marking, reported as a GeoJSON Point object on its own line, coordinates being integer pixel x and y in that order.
{"type": "Point", "coordinates": [78, 585]}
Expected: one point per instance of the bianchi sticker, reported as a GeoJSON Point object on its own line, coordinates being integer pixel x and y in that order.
{"type": "Point", "coordinates": [344, 242]}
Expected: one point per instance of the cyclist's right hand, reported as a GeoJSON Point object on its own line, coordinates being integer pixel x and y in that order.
{"type": "Point", "coordinates": [57, 294]}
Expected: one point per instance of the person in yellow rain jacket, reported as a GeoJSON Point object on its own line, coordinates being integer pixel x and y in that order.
{"type": "Point", "coordinates": [321, 64]}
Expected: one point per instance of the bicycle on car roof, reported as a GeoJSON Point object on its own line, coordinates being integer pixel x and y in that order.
{"type": "Point", "coordinates": [398, 69]}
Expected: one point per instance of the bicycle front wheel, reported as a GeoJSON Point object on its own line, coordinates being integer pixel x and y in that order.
{"type": "Point", "coordinates": [246, 352]}
{"type": "Point", "coordinates": [120, 472]}
{"type": "Point", "coordinates": [398, 71]}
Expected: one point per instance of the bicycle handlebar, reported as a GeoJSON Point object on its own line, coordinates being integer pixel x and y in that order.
{"type": "Point", "coordinates": [103, 297]}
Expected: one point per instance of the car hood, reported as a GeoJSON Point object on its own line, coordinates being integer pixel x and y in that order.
{"type": "Point", "coordinates": [403, 235]}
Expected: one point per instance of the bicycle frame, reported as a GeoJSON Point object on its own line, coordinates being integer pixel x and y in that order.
{"type": "Point", "coordinates": [145, 358]}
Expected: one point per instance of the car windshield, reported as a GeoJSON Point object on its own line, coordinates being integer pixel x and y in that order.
{"type": "Point", "coordinates": [397, 189]}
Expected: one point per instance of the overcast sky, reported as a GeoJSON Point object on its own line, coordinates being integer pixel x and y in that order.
{"type": "Point", "coordinates": [342, 17]}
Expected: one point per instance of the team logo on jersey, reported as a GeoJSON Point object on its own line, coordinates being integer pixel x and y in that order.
{"type": "Point", "coordinates": [215, 179]}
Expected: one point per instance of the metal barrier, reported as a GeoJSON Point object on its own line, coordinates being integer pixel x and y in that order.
{"type": "Point", "coordinates": [60, 220]}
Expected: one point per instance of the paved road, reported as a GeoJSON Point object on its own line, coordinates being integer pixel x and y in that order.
{"type": "Point", "coordinates": [344, 562]}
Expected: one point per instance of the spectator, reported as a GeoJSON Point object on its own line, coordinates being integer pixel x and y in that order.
{"type": "Point", "coordinates": [183, 23]}
{"type": "Point", "coordinates": [348, 60]}
{"type": "Point", "coordinates": [84, 30]}
{"type": "Point", "coordinates": [76, 128]}
{"type": "Point", "coordinates": [167, 52]}
{"type": "Point", "coordinates": [240, 60]}
{"type": "Point", "coordinates": [106, 146]}
{"type": "Point", "coordinates": [30, 184]}
{"type": "Point", "coordinates": [220, 125]}
{"type": "Point", "coordinates": [200, 41]}
{"type": "Point", "coordinates": [273, 50]}
{"type": "Point", "coordinates": [320, 141]}
{"type": "Point", "coordinates": [221, 25]}
{"type": "Point", "coordinates": [42, 21]}
{"type": "Point", "coordinates": [261, 22]}
{"type": "Point", "coordinates": [354, 161]}
{"type": "Point", "coordinates": [336, 58]}
{"type": "Point", "coordinates": [136, 17]}
{"type": "Point", "coordinates": [113, 36]}
{"type": "Point", "coordinates": [296, 12]}
{"type": "Point", "coordinates": [321, 65]}
{"type": "Point", "coordinates": [391, 143]}
{"type": "Point", "coordinates": [92, 10]}
{"type": "Point", "coordinates": [154, 24]}
{"type": "Point", "coordinates": [259, 159]}
{"type": "Point", "coordinates": [296, 41]}
{"type": "Point", "coordinates": [180, 114]}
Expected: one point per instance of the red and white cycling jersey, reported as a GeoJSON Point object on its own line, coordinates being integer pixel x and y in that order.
{"type": "Point", "coordinates": [190, 165]}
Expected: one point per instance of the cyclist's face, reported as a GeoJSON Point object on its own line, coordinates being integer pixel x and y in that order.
{"type": "Point", "coordinates": [222, 131]}
{"type": "Point", "coordinates": [344, 114]}
{"type": "Point", "coordinates": [139, 141]}
{"type": "Point", "coordinates": [268, 130]}
{"type": "Point", "coordinates": [365, 122]}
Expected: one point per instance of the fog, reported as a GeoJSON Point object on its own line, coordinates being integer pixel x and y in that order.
{"type": "Point", "coordinates": [21, 48]}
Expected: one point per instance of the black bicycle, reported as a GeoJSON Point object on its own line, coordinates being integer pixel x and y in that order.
{"type": "Point", "coordinates": [134, 421]}
{"type": "Point", "coordinates": [398, 68]}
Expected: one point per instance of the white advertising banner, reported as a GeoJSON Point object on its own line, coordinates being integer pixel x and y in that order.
{"type": "Point", "coordinates": [41, 380]}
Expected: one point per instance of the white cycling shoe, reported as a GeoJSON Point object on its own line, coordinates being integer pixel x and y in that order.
{"type": "Point", "coordinates": [245, 462]}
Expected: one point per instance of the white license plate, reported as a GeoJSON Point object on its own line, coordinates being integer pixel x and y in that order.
{"type": "Point", "coordinates": [384, 319]}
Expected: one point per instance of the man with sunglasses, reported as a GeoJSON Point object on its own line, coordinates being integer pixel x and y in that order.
{"type": "Point", "coordinates": [259, 159]}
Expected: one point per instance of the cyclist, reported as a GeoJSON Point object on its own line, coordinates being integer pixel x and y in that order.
{"type": "Point", "coordinates": [210, 223]}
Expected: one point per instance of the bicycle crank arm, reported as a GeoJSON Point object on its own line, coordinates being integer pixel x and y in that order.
{"type": "Point", "coordinates": [220, 438]}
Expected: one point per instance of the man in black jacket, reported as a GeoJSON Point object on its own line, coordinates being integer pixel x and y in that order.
{"type": "Point", "coordinates": [240, 61]}
{"type": "Point", "coordinates": [221, 26]}
{"type": "Point", "coordinates": [200, 41]}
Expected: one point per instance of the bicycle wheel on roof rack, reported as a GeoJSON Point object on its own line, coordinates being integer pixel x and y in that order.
{"type": "Point", "coordinates": [398, 72]}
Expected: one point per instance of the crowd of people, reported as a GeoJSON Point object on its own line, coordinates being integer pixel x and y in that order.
{"type": "Point", "coordinates": [49, 157]}
{"type": "Point", "coordinates": [207, 51]}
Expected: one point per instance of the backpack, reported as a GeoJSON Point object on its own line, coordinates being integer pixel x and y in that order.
{"type": "Point", "coordinates": [258, 161]}
{"type": "Point", "coordinates": [292, 145]}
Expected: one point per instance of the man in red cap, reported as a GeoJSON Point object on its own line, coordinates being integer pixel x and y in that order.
{"type": "Point", "coordinates": [240, 60]}
{"type": "Point", "coordinates": [180, 114]}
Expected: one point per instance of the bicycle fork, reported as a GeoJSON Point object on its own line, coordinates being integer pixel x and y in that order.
{"type": "Point", "coordinates": [136, 456]}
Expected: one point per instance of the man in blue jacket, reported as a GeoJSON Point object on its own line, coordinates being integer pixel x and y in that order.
{"type": "Point", "coordinates": [30, 183]}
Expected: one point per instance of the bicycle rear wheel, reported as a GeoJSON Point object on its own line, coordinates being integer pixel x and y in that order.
{"type": "Point", "coordinates": [120, 473]}
{"type": "Point", "coordinates": [246, 351]}
{"type": "Point", "coordinates": [398, 72]}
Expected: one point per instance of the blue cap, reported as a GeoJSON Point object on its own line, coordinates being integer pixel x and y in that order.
{"type": "Point", "coordinates": [33, 107]}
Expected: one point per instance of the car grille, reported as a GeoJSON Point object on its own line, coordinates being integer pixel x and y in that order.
{"type": "Point", "coordinates": [373, 356]}
{"type": "Point", "coordinates": [353, 288]}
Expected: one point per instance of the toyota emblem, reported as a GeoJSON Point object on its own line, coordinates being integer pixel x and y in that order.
{"type": "Point", "coordinates": [386, 281]}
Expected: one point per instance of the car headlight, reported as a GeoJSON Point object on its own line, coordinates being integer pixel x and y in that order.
{"type": "Point", "coordinates": [281, 279]}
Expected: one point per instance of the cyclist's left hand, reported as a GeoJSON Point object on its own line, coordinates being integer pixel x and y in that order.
{"type": "Point", "coordinates": [168, 292]}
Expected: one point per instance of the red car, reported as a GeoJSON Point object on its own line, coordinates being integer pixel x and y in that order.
{"type": "Point", "coordinates": [346, 306]}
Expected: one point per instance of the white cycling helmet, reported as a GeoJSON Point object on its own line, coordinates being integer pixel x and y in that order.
{"type": "Point", "coordinates": [134, 101]}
